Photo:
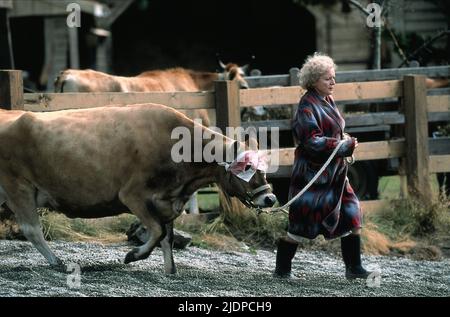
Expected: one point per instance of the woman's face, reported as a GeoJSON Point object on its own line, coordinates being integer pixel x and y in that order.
{"type": "Point", "coordinates": [325, 85]}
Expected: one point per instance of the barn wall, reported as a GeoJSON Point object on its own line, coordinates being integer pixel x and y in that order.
{"type": "Point", "coordinates": [22, 8]}
{"type": "Point", "coordinates": [422, 17]}
{"type": "Point", "coordinates": [345, 37]}
{"type": "Point", "coordinates": [6, 4]}
{"type": "Point", "coordinates": [418, 16]}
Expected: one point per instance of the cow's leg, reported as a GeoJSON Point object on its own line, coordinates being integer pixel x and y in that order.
{"type": "Point", "coordinates": [23, 205]}
{"type": "Point", "coordinates": [167, 247]}
{"type": "Point", "coordinates": [138, 207]}
{"type": "Point", "coordinates": [31, 228]}
{"type": "Point", "coordinates": [156, 233]}
{"type": "Point", "coordinates": [2, 196]}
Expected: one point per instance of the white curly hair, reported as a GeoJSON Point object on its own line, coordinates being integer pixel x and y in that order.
{"type": "Point", "coordinates": [315, 66]}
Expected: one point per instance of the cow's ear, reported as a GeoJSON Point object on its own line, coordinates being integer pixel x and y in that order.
{"type": "Point", "coordinates": [232, 74]}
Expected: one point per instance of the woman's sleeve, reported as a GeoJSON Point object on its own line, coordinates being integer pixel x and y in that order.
{"type": "Point", "coordinates": [310, 135]}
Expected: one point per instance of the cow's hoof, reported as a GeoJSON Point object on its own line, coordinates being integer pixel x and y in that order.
{"type": "Point", "coordinates": [132, 256]}
{"type": "Point", "coordinates": [170, 272]}
{"type": "Point", "coordinates": [59, 266]}
{"type": "Point", "coordinates": [129, 257]}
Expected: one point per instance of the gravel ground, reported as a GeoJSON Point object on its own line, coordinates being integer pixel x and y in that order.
{"type": "Point", "coordinates": [205, 273]}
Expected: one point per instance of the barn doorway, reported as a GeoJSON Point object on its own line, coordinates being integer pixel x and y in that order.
{"type": "Point", "coordinates": [159, 34]}
{"type": "Point", "coordinates": [28, 50]}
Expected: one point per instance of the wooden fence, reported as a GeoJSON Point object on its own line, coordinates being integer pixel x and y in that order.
{"type": "Point", "coordinates": [382, 86]}
{"type": "Point", "coordinates": [227, 100]}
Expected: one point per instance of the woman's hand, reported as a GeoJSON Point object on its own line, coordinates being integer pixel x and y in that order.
{"type": "Point", "coordinates": [355, 140]}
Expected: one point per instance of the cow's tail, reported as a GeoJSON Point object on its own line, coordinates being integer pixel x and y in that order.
{"type": "Point", "coordinates": [60, 81]}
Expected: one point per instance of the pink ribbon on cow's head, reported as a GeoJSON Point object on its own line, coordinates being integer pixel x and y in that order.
{"type": "Point", "coordinates": [253, 159]}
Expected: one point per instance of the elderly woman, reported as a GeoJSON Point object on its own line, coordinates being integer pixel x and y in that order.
{"type": "Point", "coordinates": [329, 207]}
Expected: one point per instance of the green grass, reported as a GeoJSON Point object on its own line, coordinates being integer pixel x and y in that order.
{"type": "Point", "coordinates": [208, 201]}
{"type": "Point", "coordinates": [389, 187]}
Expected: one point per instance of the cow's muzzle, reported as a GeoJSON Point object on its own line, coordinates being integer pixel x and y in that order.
{"type": "Point", "coordinates": [260, 197]}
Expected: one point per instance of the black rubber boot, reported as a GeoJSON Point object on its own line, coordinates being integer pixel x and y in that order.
{"type": "Point", "coordinates": [351, 254]}
{"type": "Point", "coordinates": [285, 254]}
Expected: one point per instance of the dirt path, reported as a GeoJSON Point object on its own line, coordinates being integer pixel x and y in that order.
{"type": "Point", "coordinates": [24, 272]}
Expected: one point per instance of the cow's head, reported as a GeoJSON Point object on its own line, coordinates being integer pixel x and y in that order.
{"type": "Point", "coordinates": [245, 177]}
{"type": "Point", "coordinates": [234, 72]}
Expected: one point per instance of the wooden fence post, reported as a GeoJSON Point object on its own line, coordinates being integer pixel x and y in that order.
{"type": "Point", "coordinates": [228, 110]}
{"type": "Point", "coordinates": [416, 134]}
{"type": "Point", "coordinates": [11, 90]}
{"type": "Point", "coordinates": [294, 80]}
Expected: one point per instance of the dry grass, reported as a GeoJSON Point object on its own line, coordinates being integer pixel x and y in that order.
{"type": "Point", "coordinates": [413, 218]}
{"type": "Point", "coordinates": [404, 228]}
{"type": "Point", "coordinates": [106, 230]}
{"type": "Point", "coordinates": [375, 242]}
{"type": "Point", "coordinates": [231, 206]}
{"type": "Point", "coordinates": [256, 230]}
{"type": "Point", "coordinates": [218, 241]}
{"type": "Point", "coordinates": [56, 226]}
{"type": "Point", "coordinates": [408, 227]}
{"type": "Point", "coordinates": [243, 227]}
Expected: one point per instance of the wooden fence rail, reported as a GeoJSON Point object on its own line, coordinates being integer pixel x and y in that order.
{"type": "Point", "coordinates": [274, 96]}
{"type": "Point", "coordinates": [355, 76]}
{"type": "Point", "coordinates": [380, 150]}
{"type": "Point", "coordinates": [58, 101]}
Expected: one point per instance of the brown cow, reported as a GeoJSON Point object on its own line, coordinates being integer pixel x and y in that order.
{"type": "Point", "coordinates": [432, 83]}
{"type": "Point", "coordinates": [173, 79]}
{"type": "Point", "coordinates": [169, 80]}
{"type": "Point", "coordinates": [104, 161]}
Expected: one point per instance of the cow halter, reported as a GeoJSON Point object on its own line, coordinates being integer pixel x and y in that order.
{"type": "Point", "coordinates": [245, 166]}
{"type": "Point", "coordinates": [250, 195]}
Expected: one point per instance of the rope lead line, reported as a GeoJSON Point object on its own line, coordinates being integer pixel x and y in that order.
{"type": "Point", "coordinates": [285, 206]}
